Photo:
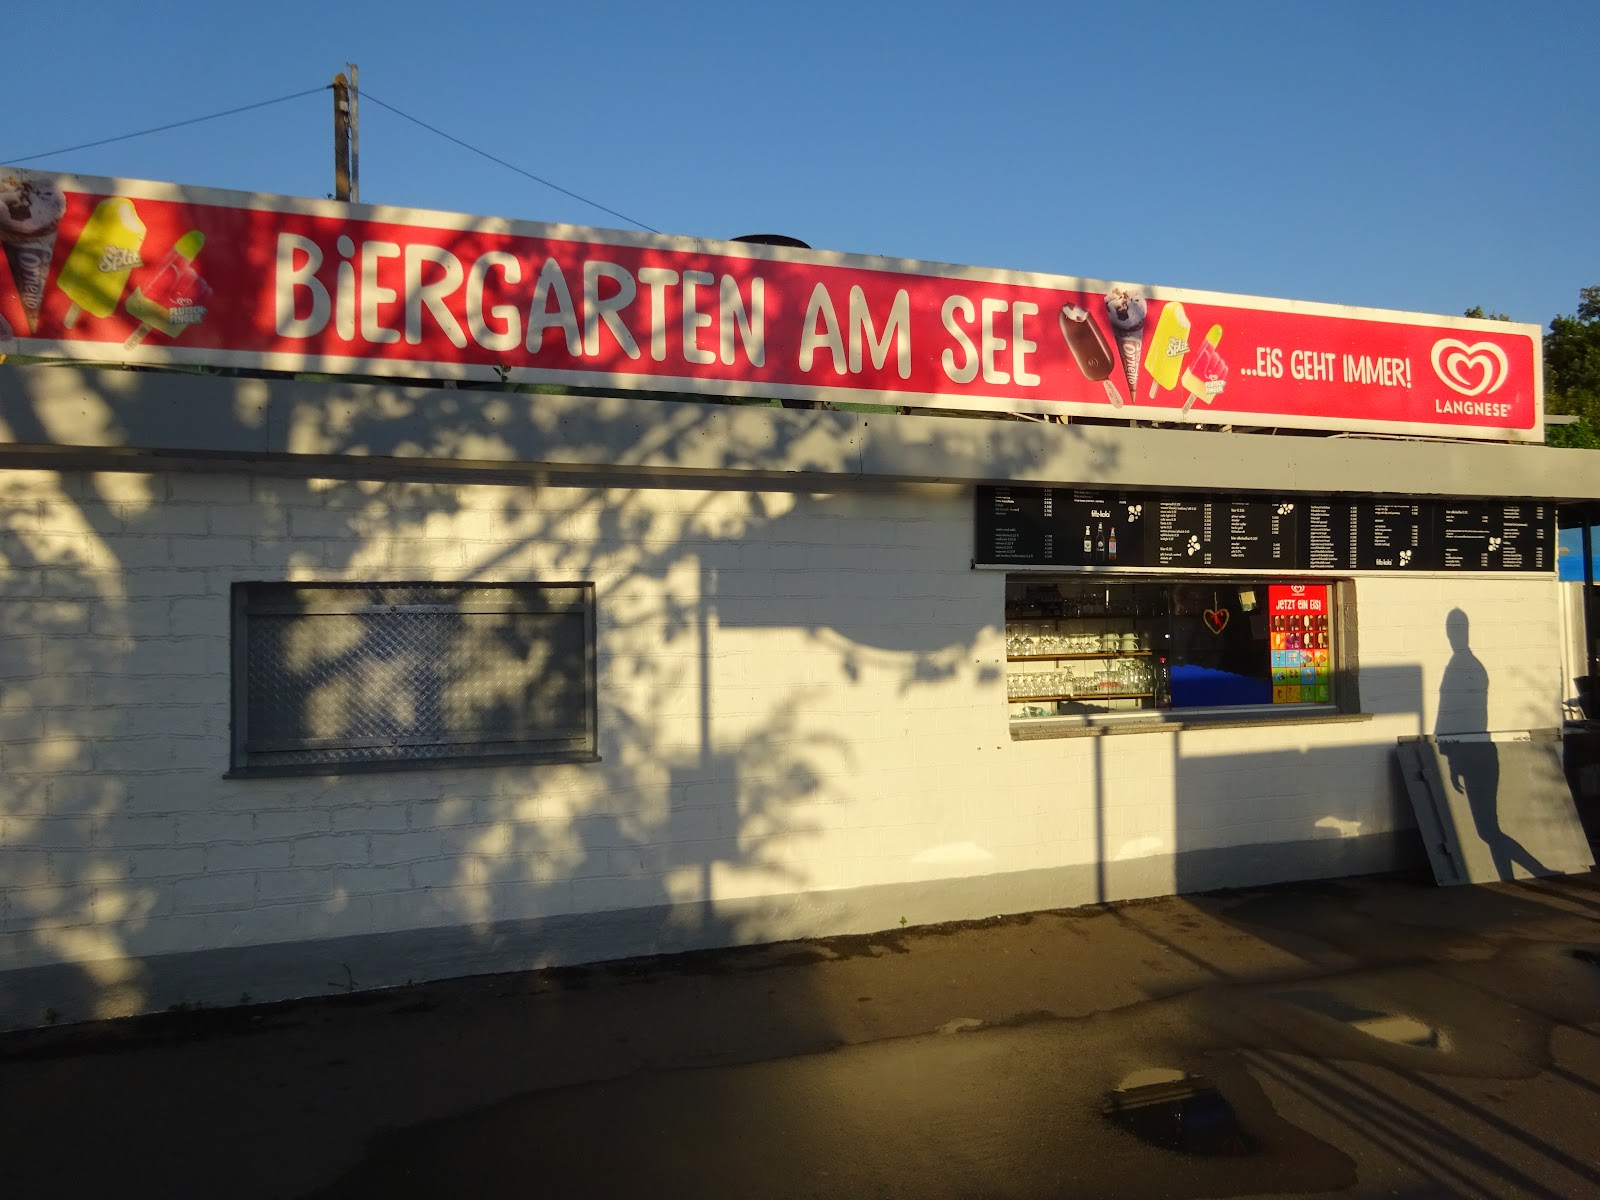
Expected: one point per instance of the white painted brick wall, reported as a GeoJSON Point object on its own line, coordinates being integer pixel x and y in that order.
{"type": "Point", "coordinates": [797, 692]}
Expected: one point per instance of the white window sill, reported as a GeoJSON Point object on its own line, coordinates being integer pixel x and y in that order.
{"type": "Point", "coordinates": [1189, 720]}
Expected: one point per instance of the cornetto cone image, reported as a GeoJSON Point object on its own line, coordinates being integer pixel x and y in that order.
{"type": "Point", "coordinates": [1126, 309]}
{"type": "Point", "coordinates": [31, 207]}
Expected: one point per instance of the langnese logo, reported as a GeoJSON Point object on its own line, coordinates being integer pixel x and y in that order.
{"type": "Point", "coordinates": [1471, 370]}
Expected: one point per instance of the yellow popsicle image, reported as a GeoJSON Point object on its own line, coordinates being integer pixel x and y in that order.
{"type": "Point", "coordinates": [96, 272]}
{"type": "Point", "coordinates": [1168, 344]}
{"type": "Point", "coordinates": [1207, 373]}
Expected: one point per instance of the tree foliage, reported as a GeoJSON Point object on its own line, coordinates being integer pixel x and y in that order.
{"type": "Point", "coordinates": [1572, 359]}
{"type": "Point", "coordinates": [1571, 371]}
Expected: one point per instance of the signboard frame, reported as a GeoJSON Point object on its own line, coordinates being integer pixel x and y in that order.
{"type": "Point", "coordinates": [834, 327]}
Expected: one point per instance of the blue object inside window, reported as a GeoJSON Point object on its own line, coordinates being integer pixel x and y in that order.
{"type": "Point", "coordinates": [1203, 687]}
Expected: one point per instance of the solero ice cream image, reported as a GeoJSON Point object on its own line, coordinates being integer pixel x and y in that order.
{"type": "Point", "coordinates": [1168, 345]}
{"type": "Point", "coordinates": [96, 272]}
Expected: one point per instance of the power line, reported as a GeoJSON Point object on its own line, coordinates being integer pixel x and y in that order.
{"type": "Point", "coordinates": [366, 95]}
{"type": "Point", "coordinates": [163, 128]}
{"type": "Point", "coordinates": [229, 112]}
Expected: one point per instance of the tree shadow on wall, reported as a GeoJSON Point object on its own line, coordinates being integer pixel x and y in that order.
{"type": "Point", "coordinates": [729, 660]}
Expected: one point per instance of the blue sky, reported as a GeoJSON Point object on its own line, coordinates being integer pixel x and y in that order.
{"type": "Point", "coordinates": [1411, 154]}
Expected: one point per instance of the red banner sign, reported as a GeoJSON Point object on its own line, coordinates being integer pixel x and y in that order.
{"type": "Point", "coordinates": [112, 270]}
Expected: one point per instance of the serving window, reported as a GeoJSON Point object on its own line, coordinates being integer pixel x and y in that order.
{"type": "Point", "coordinates": [1075, 646]}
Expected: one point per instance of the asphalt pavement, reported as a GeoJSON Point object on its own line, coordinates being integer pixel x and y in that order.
{"type": "Point", "coordinates": [1353, 1038]}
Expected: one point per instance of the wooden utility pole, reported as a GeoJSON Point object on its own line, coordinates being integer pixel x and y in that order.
{"type": "Point", "coordinates": [355, 133]}
{"type": "Point", "coordinates": [341, 138]}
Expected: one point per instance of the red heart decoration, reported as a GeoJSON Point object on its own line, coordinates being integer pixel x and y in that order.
{"type": "Point", "coordinates": [1216, 619]}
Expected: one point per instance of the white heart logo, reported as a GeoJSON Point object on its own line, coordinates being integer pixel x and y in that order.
{"type": "Point", "coordinates": [1470, 370]}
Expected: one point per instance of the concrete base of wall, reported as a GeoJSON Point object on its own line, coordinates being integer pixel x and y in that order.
{"type": "Point", "coordinates": [69, 992]}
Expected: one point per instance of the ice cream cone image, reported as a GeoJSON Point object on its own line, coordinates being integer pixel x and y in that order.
{"type": "Point", "coordinates": [31, 207]}
{"type": "Point", "coordinates": [174, 297]}
{"type": "Point", "coordinates": [96, 272]}
{"type": "Point", "coordinates": [1126, 309]}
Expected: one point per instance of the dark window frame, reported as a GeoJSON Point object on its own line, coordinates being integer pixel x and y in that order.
{"type": "Point", "coordinates": [1343, 703]}
{"type": "Point", "coordinates": [575, 739]}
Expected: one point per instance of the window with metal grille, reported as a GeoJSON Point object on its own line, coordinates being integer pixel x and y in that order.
{"type": "Point", "coordinates": [332, 677]}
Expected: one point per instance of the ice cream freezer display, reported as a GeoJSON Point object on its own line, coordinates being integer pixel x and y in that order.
{"type": "Point", "coordinates": [1077, 648]}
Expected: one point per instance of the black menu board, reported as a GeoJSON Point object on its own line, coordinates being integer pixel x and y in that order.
{"type": "Point", "coordinates": [1183, 532]}
{"type": "Point", "coordinates": [1469, 534]}
{"type": "Point", "coordinates": [1079, 528]}
{"type": "Point", "coordinates": [1017, 525]}
{"type": "Point", "coordinates": [1496, 536]}
{"type": "Point", "coordinates": [1328, 535]}
{"type": "Point", "coordinates": [1258, 533]}
{"type": "Point", "coordinates": [1103, 529]}
{"type": "Point", "coordinates": [1528, 539]}
{"type": "Point", "coordinates": [1392, 536]}
{"type": "Point", "coordinates": [1232, 532]}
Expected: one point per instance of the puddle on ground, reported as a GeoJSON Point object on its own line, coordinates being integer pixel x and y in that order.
{"type": "Point", "coordinates": [1395, 1028]}
{"type": "Point", "coordinates": [1178, 1111]}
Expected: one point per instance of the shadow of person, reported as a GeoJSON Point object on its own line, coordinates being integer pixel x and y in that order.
{"type": "Point", "coordinates": [1475, 764]}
